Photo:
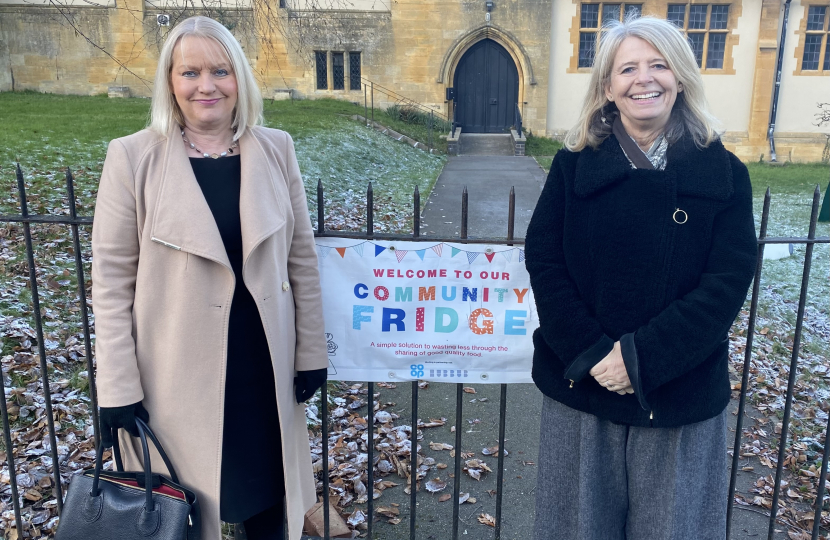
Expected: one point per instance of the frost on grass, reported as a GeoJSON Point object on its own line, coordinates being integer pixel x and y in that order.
{"type": "Point", "coordinates": [347, 159]}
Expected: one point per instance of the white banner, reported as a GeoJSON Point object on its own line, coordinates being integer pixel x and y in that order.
{"type": "Point", "coordinates": [398, 311]}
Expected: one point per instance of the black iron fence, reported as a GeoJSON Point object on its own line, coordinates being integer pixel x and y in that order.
{"type": "Point", "coordinates": [517, 120]}
{"type": "Point", "coordinates": [74, 222]}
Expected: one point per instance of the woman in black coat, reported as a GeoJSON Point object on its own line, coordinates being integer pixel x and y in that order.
{"type": "Point", "coordinates": [640, 252]}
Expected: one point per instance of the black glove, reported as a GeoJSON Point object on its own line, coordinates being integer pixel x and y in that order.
{"type": "Point", "coordinates": [308, 382]}
{"type": "Point", "coordinates": [113, 418]}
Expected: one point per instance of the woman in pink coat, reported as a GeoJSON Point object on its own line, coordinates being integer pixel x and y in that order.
{"type": "Point", "coordinates": [207, 296]}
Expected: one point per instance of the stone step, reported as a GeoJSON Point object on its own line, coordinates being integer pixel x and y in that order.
{"type": "Point", "coordinates": [485, 144]}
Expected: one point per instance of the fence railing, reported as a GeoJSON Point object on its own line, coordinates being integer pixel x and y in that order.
{"type": "Point", "coordinates": [517, 120]}
{"type": "Point", "coordinates": [74, 222]}
{"type": "Point", "coordinates": [369, 89]}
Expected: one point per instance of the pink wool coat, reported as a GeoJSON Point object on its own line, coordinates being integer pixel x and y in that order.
{"type": "Point", "coordinates": [162, 290]}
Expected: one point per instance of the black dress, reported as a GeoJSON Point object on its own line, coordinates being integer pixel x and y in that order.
{"type": "Point", "coordinates": [252, 472]}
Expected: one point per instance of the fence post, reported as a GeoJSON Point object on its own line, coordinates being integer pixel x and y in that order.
{"type": "Point", "coordinates": [511, 219]}
{"type": "Point", "coordinates": [459, 405]}
{"type": "Point", "coordinates": [373, 104]}
{"type": "Point", "coordinates": [79, 274]}
{"type": "Point", "coordinates": [44, 371]}
{"type": "Point", "coordinates": [430, 131]}
{"type": "Point", "coordinates": [799, 325]}
{"type": "Point", "coordinates": [750, 334]}
{"type": "Point", "coordinates": [370, 507]}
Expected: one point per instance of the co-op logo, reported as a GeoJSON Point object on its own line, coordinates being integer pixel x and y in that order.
{"type": "Point", "coordinates": [417, 370]}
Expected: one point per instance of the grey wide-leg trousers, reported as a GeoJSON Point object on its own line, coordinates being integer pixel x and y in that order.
{"type": "Point", "coordinates": [603, 481]}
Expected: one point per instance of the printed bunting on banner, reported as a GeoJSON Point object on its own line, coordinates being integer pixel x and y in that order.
{"type": "Point", "coordinates": [400, 254]}
{"type": "Point", "coordinates": [455, 251]}
{"type": "Point", "coordinates": [420, 253]}
{"type": "Point", "coordinates": [438, 249]}
{"type": "Point", "coordinates": [471, 256]}
{"type": "Point", "coordinates": [490, 256]}
{"type": "Point", "coordinates": [341, 251]}
{"type": "Point", "coordinates": [521, 255]}
{"type": "Point", "coordinates": [378, 250]}
{"type": "Point", "coordinates": [508, 254]}
{"type": "Point", "coordinates": [359, 248]}
{"type": "Point", "coordinates": [323, 251]}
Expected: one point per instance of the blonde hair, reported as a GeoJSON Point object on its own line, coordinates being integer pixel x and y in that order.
{"type": "Point", "coordinates": [165, 112]}
{"type": "Point", "coordinates": [690, 114]}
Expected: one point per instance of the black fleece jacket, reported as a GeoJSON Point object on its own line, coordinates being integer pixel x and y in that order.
{"type": "Point", "coordinates": [658, 260]}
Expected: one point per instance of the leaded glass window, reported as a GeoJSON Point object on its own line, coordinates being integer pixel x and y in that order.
{"type": "Point", "coordinates": [817, 40]}
{"type": "Point", "coordinates": [715, 51]}
{"type": "Point", "coordinates": [354, 71]}
{"type": "Point", "coordinates": [697, 16]}
{"type": "Point", "coordinates": [590, 25]}
{"type": "Point", "coordinates": [815, 18]}
{"type": "Point", "coordinates": [321, 61]}
{"type": "Point", "coordinates": [338, 71]}
{"type": "Point", "coordinates": [677, 15]}
{"type": "Point", "coordinates": [696, 41]}
{"type": "Point", "coordinates": [587, 42]}
{"type": "Point", "coordinates": [706, 26]}
{"type": "Point", "coordinates": [812, 52]}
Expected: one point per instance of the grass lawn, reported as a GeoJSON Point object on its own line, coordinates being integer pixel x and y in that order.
{"type": "Point", "coordinates": [542, 149]}
{"type": "Point", "coordinates": [47, 133]}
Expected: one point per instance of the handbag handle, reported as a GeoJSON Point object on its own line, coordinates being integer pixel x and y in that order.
{"type": "Point", "coordinates": [144, 432]}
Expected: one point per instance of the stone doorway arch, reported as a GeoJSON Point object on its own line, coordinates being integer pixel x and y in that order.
{"type": "Point", "coordinates": [449, 64]}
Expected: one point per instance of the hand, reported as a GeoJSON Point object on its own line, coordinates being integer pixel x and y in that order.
{"type": "Point", "coordinates": [610, 372]}
{"type": "Point", "coordinates": [308, 382]}
{"type": "Point", "coordinates": [114, 418]}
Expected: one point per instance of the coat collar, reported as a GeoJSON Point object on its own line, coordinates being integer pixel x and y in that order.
{"type": "Point", "coordinates": [183, 219]}
{"type": "Point", "coordinates": [697, 172]}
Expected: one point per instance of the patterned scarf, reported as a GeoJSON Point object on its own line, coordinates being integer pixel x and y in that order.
{"type": "Point", "coordinates": [654, 159]}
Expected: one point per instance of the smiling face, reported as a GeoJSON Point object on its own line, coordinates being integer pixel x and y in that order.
{"type": "Point", "coordinates": [642, 86]}
{"type": "Point", "coordinates": [203, 83]}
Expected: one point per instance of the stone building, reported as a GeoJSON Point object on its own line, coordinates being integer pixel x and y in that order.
{"type": "Point", "coordinates": [496, 55]}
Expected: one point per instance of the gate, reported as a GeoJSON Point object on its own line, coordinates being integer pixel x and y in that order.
{"type": "Point", "coordinates": [487, 88]}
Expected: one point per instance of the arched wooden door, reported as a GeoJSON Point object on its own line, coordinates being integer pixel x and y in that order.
{"type": "Point", "coordinates": [487, 88]}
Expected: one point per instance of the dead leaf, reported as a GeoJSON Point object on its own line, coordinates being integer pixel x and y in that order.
{"type": "Point", "coordinates": [435, 485]}
{"type": "Point", "coordinates": [469, 390]}
{"type": "Point", "coordinates": [445, 497]}
{"type": "Point", "coordinates": [487, 519]}
{"type": "Point", "coordinates": [388, 511]}
{"type": "Point", "coordinates": [437, 446]}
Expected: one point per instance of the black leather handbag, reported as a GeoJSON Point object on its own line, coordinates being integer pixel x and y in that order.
{"type": "Point", "coordinates": [108, 505]}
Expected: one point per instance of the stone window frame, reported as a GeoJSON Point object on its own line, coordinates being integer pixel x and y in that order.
{"type": "Point", "coordinates": [328, 66]}
{"type": "Point", "coordinates": [660, 8]}
{"type": "Point", "coordinates": [802, 34]}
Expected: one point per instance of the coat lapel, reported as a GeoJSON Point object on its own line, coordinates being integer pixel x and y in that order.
{"type": "Point", "coordinates": [596, 169]}
{"type": "Point", "coordinates": [183, 219]}
{"type": "Point", "coordinates": [697, 172]}
{"type": "Point", "coordinates": [261, 207]}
